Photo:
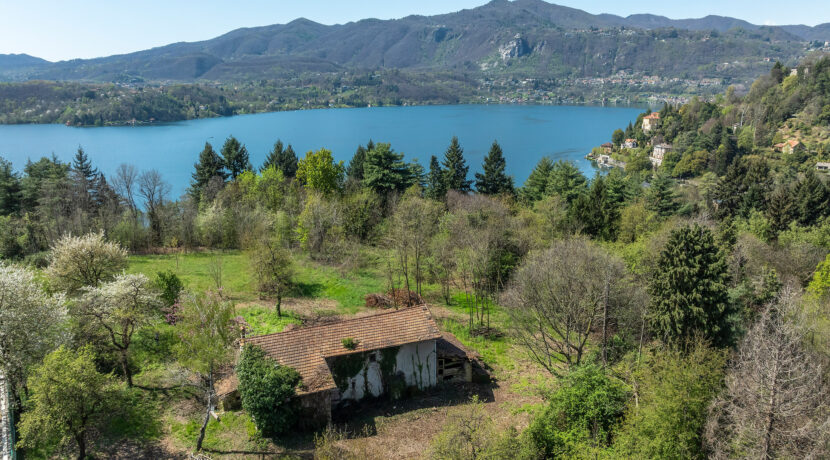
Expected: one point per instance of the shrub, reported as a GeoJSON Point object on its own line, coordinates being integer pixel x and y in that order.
{"type": "Point", "coordinates": [170, 286]}
{"type": "Point", "coordinates": [349, 343]}
{"type": "Point", "coordinates": [266, 389]}
{"type": "Point", "coordinates": [586, 408]}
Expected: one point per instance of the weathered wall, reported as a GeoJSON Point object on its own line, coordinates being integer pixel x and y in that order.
{"type": "Point", "coordinates": [315, 410]}
{"type": "Point", "coordinates": [373, 374]}
{"type": "Point", "coordinates": [6, 452]}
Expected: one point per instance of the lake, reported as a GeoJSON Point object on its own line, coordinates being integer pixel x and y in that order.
{"type": "Point", "coordinates": [526, 134]}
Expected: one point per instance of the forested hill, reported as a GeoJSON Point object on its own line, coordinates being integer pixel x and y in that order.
{"type": "Point", "coordinates": [527, 37]}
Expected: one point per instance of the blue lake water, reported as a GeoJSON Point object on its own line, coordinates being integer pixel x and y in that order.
{"type": "Point", "coordinates": [526, 134]}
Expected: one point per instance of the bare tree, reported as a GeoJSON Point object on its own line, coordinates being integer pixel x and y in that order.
{"type": "Point", "coordinates": [776, 400]}
{"type": "Point", "coordinates": [153, 189]}
{"type": "Point", "coordinates": [559, 296]}
{"type": "Point", "coordinates": [124, 182]}
{"type": "Point", "coordinates": [414, 223]}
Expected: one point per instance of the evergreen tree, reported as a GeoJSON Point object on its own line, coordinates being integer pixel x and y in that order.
{"type": "Point", "coordinates": [780, 209]}
{"type": "Point", "coordinates": [660, 197]}
{"type": "Point", "coordinates": [284, 159]}
{"type": "Point", "coordinates": [494, 181]}
{"type": "Point", "coordinates": [10, 191]}
{"type": "Point", "coordinates": [595, 211]}
{"type": "Point", "coordinates": [235, 157]}
{"type": "Point", "coordinates": [566, 181]}
{"type": "Point", "coordinates": [455, 168]}
{"type": "Point", "coordinates": [689, 289]}
{"type": "Point", "coordinates": [210, 165]}
{"type": "Point", "coordinates": [354, 171]}
{"type": "Point", "coordinates": [84, 176]}
{"type": "Point", "coordinates": [436, 187]}
{"type": "Point", "coordinates": [82, 167]}
{"type": "Point", "coordinates": [536, 184]}
{"type": "Point", "coordinates": [384, 170]}
{"type": "Point", "coordinates": [811, 199]}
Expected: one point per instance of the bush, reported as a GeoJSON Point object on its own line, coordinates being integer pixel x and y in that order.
{"type": "Point", "coordinates": [586, 408]}
{"type": "Point", "coordinates": [266, 389]}
{"type": "Point", "coordinates": [170, 286]}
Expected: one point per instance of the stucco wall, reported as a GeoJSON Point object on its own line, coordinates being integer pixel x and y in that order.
{"type": "Point", "coordinates": [417, 362]}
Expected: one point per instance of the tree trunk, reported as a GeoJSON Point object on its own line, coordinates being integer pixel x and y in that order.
{"type": "Point", "coordinates": [125, 366]}
{"type": "Point", "coordinates": [279, 306]}
{"type": "Point", "coordinates": [207, 412]}
{"type": "Point", "coordinates": [80, 438]}
{"type": "Point", "coordinates": [605, 325]}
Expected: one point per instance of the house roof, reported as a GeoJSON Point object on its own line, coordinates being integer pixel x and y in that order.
{"type": "Point", "coordinates": [653, 116]}
{"type": "Point", "coordinates": [449, 346]}
{"type": "Point", "coordinates": [793, 142]}
{"type": "Point", "coordinates": [306, 349]}
{"type": "Point", "coordinates": [631, 140]}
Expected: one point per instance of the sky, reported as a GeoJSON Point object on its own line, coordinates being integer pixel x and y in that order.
{"type": "Point", "coordinates": [68, 29]}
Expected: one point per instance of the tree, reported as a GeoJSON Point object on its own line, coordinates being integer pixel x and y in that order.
{"type": "Point", "coordinates": [120, 308]}
{"type": "Point", "coordinates": [126, 177]}
{"type": "Point", "coordinates": [354, 171]}
{"type": "Point", "coordinates": [455, 168]}
{"type": "Point", "coordinates": [494, 181]}
{"type": "Point", "coordinates": [436, 186]}
{"type": "Point", "coordinates": [536, 186]}
{"type": "Point", "coordinates": [660, 197]}
{"type": "Point", "coordinates": [584, 411]}
{"type": "Point", "coordinates": [284, 159]}
{"type": "Point", "coordinates": [30, 323]}
{"type": "Point", "coordinates": [776, 399]}
{"type": "Point", "coordinates": [318, 171]}
{"type": "Point", "coordinates": [617, 137]}
{"type": "Point", "coordinates": [811, 199]}
{"type": "Point", "coordinates": [384, 170]}
{"type": "Point", "coordinates": [235, 157]}
{"type": "Point", "coordinates": [10, 190]}
{"type": "Point", "coordinates": [78, 261]}
{"type": "Point", "coordinates": [69, 401]}
{"type": "Point", "coordinates": [672, 391]}
{"type": "Point", "coordinates": [412, 226]}
{"type": "Point", "coordinates": [595, 211]}
{"type": "Point", "coordinates": [273, 269]}
{"type": "Point", "coordinates": [689, 289]}
{"type": "Point", "coordinates": [266, 389]}
{"type": "Point", "coordinates": [780, 209]}
{"type": "Point", "coordinates": [558, 296]}
{"type": "Point", "coordinates": [154, 190]}
{"type": "Point", "coordinates": [209, 166]}
{"type": "Point", "coordinates": [566, 181]}
{"type": "Point", "coordinates": [207, 330]}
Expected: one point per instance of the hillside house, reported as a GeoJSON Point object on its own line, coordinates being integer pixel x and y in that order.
{"type": "Point", "coordinates": [650, 121]}
{"type": "Point", "coordinates": [393, 352]}
{"type": "Point", "coordinates": [822, 166]}
{"type": "Point", "coordinates": [630, 144]}
{"type": "Point", "coordinates": [607, 147]}
{"type": "Point", "coordinates": [792, 146]}
{"type": "Point", "coordinates": [659, 153]}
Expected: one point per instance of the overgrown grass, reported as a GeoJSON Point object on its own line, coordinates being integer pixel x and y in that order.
{"type": "Point", "coordinates": [264, 320]}
{"type": "Point", "coordinates": [233, 432]}
{"type": "Point", "coordinates": [347, 288]}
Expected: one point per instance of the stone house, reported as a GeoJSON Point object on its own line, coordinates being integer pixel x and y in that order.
{"type": "Point", "coordinates": [382, 355]}
{"type": "Point", "coordinates": [822, 166]}
{"type": "Point", "coordinates": [650, 121]}
{"type": "Point", "coordinates": [659, 153]}
{"type": "Point", "coordinates": [630, 144]}
{"type": "Point", "coordinates": [792, 146]}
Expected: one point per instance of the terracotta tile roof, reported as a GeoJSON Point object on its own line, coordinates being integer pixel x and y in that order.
{"type": "Point", "coordinates": [306, 349]}
{"type": "Point", "coordinates": [653, 116]}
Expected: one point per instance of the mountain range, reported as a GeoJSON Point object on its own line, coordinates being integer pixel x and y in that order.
{"type": "Point", "coordinates": [527, 37]}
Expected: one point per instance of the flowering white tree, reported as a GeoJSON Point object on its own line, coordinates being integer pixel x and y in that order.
{"type": "Point", "coordinates": [78, 261]}
{"type": "Point", "coordinates": [30, 322]}
{"type": "Point", "coordinates": [121, 307]}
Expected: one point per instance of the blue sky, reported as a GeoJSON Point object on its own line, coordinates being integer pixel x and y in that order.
{"type": "Point", "coordinates": [66, 29]}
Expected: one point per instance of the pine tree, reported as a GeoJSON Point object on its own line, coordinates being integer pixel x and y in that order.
{"type": "Point", "coordinates": [82, 167]}
{"type": "Point", "coordinates": [566, 181]}
{"type": "Point", "coordinates": [811, 199]}
{"type": "Point", "coordinates": [210, 165]}
{"type": "Point", "coordinates": [688, 290]}
{"type": "Point", "coordinates": [536, 184]}
{"type": "Point", "coordinates": [384, 170]}
{"type": "Point", "coordinates": [780, 209]}
{"type": "Point", "coordinates": [354, 171]}
{"type": "Point", "coordinates": [436, 187]}
{"type": "Point", "coordinates": [10, 190]}
{"type": "Point", "coordinates": [455, 168]}
{"type": "Point", "coordinates": [660, 197]}
{"type": "Point", "coordinates": [595, 212]}
{"type": "Point", "coordinates": [494, 181]}
{"type": "Point", "coordinates": [84, 175]}
{"type": "Point", "coordinates": [235, 157]}
{"type": "Point", "coordinates": [284, 159]}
